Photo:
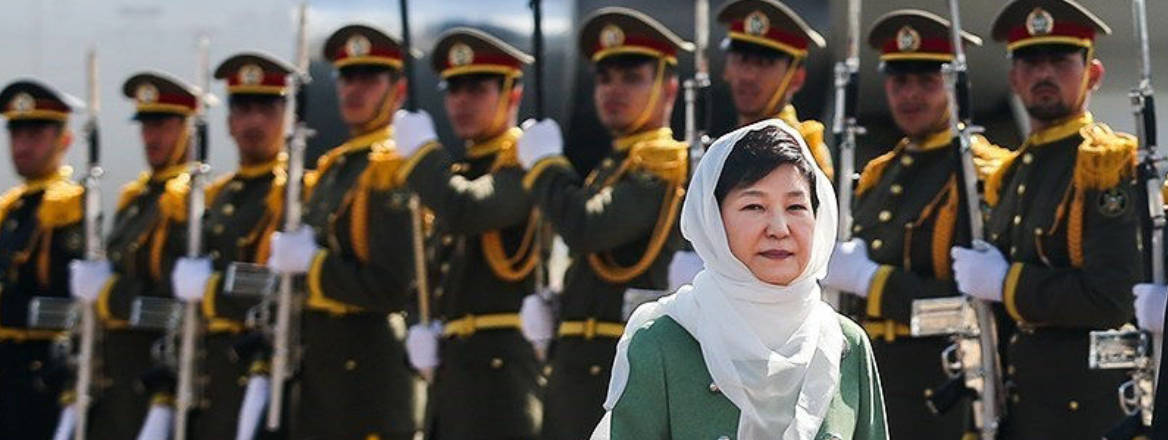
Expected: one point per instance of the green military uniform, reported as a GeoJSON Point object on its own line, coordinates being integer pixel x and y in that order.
{"type": "Point", "coordinates": [1065, 217]}
{"type": "Point", "coordinates": [910, 210]}
{"type": "Point", "coordinates": [40, 234]}
{"type": "Point", "coordinates": [141, 249]}
{"type": "Point", "coordinates": [670, 393]}
{"type": "Point", "coordinates": [486, 386]}
{"type": "Point", "coordinates": [243, 210]}
{"type": "Point", "coordinates": [771, 25]}
{"type": "Point", "coordinates": [620, 224]}
{"type": "Point", "coordinates": [355, 381]}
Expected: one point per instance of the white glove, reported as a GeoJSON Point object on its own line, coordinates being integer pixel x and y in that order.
{"type": "Point", "coordinates": [850, 269]}
{"type": "Point", "coordinates": [158, 422]}
{"type": "Point", "coordinates": [540, 139]}
{"type": "Point", "coordinates": [412, 130]}
{"type": "Point", "coordinates": [189, 278]}
{"type": "Point", "coordinates": [251, 412]}
{"type": "Point", "coordinates": [422, 345]}
{"type": "Point", "coordinates": [292, 252]}
{"type": "Point", "coordinates": [537, 322]}
{"type": "Point", "coordinates": [1150, 300]}
{"type": "Point", "coordinates": [88, 277]}
{"type": "Point", "coordinates": [979, 272]}
{"type": "Point", "coordinates": [66, 423]}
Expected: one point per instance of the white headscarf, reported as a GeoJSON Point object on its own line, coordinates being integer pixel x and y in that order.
{"type": "Point", "coordinates": [774, 351]}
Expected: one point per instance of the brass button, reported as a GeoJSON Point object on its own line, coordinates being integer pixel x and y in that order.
{"type": "Point", "coordinates": [133, 247]}
{"type": "Point", "coordinates": [896, 189]}
{"type": "Point", "coordinates": [994, 236]}
{"type": "Point", "coordinates": [235, 185]}
{"type": "Point", "coordinates": [1016, 398]}
{"type": "Point", "coordinates": [447, 239]}
{"type": "Point", "coordinates": [1021, 189]}
{"type": "Point", "coordinates": [1073, 405]}
{"type": "Point", "coordinates": [35, 366]}
{"type": "Point", "coordinates": [350, 365]}
{"type": "Point", "coordinates": [1010, 370]}
{"type": "Point", "coordinates": [11, 224]}
{"type": "Point", "coordinates": [885, 216]}
{"type": "Point", "coordinates": [215, 255]}
{"type": "Point", "coordinates": [547, 370]}
{"type": "Point", "coordinates": [228, 209]}
{"type": "Point", "coordinates": [1037, 231]}
{"type": "Point", "coordinates": [1013, 250]}
{"type": "Point", "coordinates": [594, 370]}
{"type": "Point", "coordinates": [877, 243]}
{"type": "Point", "coordinates": [856, 229]}
{"type": "Point", "coordinates": [444, 268]}
{"type": "Point", "coordinates": [496, 363]}
{"type": "Point", "coordinates": [217, 229]}
{"type": "Point", "coordinates": [242, 381]}
{"type": "Point", "coordinates": [906, 161]}
{"type": "Point", "coordinates": [1014, 339]}
{"type": "Point", "coordinates": [1017, 219]}
{"type": "Point", "coordinates": [132, 210]}
{"type": "Point", "coordinates": [713, 387]}
{"type": "Point", "coordinates": [1027, 158]}
{"type": "Point", "coordinates": [928, 393]}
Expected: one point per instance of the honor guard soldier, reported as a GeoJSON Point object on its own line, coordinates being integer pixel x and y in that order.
{"type": "Point", "coordinates": [619, 222]}
{"type": "Point", "coordinates": [766, 51]}
{"type": "Point", "coordinates": [243, 210]}
{"type": "Point", "coordinates": [41, 233]}
{"type": "Point", "coordinates": [488, 251]}
{"type": "Point", "coordinates": [141, 249]}
{"type": "Point", "coordinates": [1063, 228]}
{"type": "Point", "coordinates": [356, 252]}
{"type": "Point", "coordinates": [910, 210]}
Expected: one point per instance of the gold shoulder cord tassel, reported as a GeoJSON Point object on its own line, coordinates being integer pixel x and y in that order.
{"type": "Point", "coordinates": [519, 266]}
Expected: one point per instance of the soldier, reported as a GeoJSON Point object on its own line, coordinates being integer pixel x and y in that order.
{"type": "Point", "coordinates": [910, 210]}
{"type": "Point", "coordinates": [1063, 230]}
{"type": "Point", "coordinates": [243, 210]}
{"type": "Point", "coordinates": [766, 48]}
{"type": "Point", "coordinates": [356, 251]}
{"type": "Point", "coordinates": [487, 228]}
{"type": "Point", "coordinates": [620, 222]}
{"type": "Point", "coordinates": [41, 233]}
{"type": "Point", "coordinates": [139, 257]}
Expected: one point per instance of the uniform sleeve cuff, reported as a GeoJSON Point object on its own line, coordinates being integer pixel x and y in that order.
{"type": "Point", "coordinates": [1010, 291]}
{"type": "Point", "coordinates": [876, 291]}
{"type": "Point", "coordinates": [541, 166]}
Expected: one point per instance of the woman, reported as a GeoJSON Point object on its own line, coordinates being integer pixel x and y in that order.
{"type": "Point", "coordinates": [749, 351]}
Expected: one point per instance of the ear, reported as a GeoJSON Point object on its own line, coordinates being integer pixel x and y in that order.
{"type": "Point", "coordinates": [66, 140]}
{"type": "Point", "coordinates": [797, 80]}
{"type": "Point", "coordinates": [1095, 73]}
{"type": "Point", "coordinates": [1015, 81]}
{"type": "Point", "coordinates": [670, 89]}
{"type": "Point", "coordinates": [399, 92]}
{"type": "Point", "coordinates": [515, 97]}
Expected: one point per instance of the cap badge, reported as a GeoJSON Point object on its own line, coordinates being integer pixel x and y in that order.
{"type": "Point", "coordinates": [1039, 22]}
{"type": "Point", "coordinates": [146, 94]}
{"type": "Point", "coordinates": [756, 23]}
{"type": "Point", "coordinates": [23, 102]}
{"type": "Point", "coordinates": [611, 36]}
{"type": "Point", "coordinates": [357, 46]}
{"type": "Point", "coordinates": [908, 39]}
{"type": "Point", "coordinates": [251, 74]}
{"type": "Point", "coordinates": [460, 55]}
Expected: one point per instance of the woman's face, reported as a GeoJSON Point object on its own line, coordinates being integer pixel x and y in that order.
{"type": "Point", "coordinates": [770, 225]}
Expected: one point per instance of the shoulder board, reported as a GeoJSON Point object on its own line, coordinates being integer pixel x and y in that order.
{"type": "Point", "coordinates": [173, 203]}
{"type": "Point", "coordinates": [216, 186]}
{"type": "Point", "coordinates": [62, 205]}
{"type": "Point", "coordinates": [382, 172]}
{"type": "Point", "coordinates": [666, 159]}
{"type": "Point", "coordinates": [988, 157]}
{"type": "Point", "coordinates": [812, 133]}
{"type": "Point", "coordinates": [1105, 157]}
{"type": "Point", "coordinates": [9, 197]}
{"type": "Point", "coordinates": [132, 190]}
{"type": "Point", "coordinates": [874, 170]}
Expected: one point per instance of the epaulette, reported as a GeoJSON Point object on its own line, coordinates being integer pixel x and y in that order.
{"type": "Point", "coordinates": [383, 170]}
{"type": "Point", "coordinates": [132, 190]}
{"type": "Point", "coordinates": [667, 159]}
{"type": "Point", "coordinates": [812, 133]}
{"type": "Point", "coordinates": [1105, 157]}
{"type": "Point", "coordinates": [874, 170]}
{"type": "Point", "coordinates": [988, 157]}
{"type": "Point", "coordinates": [10, 197]}
{"type": "Point", "coordinates": [62, 205]}
{"type": "Point", "coordinates": [173, 202]}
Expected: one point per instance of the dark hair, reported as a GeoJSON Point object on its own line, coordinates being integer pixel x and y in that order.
{"type": "Point", "coordinates": [632, 61]}
{"type": "Point", "coordinates": [459, 81]}
{"type": "Point", "coordinates": [253, 99]}
{"type": "Point", "coordinates": [33, 124]}
{"type": "Point", "coordinates": [369, 69]}
{"type": "Point", "coordinates": [758, 154]}
{"type": "Point", "coordinates": [752, 52]}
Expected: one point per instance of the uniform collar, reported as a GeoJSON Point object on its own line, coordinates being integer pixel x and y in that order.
{"type": "Point", "coordinates": [789, 115]}
{"type": "Point", "coordinates": [624, 143]}
{"type": "Point", "coordinates": [40, 183]}
{"type": "Point", "coordinates": [168, 173]}
{"type": "Point", "coordinates": [1061, 130]}
{"type": "Point", "coordinates": [260, 169]}
{"type": "Point", "coordinates": [506, 139]}
{"type": "Point", "coordinates": [933, 141]}
{"type": "Point", "coordinates": [364, 141]}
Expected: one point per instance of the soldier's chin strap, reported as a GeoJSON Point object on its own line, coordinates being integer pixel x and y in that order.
{"type": "Point", "coordinates": [384, 113]}
{"type": "Point", "coordinates": [500, 117]}
{"type": "Point", "coordinates": [775, 105]}
{"type": "Point", "coordinates": [179, 153]}
{"type": "Point", "coordinates": [650, 107]}
{"type": "Point", "coordinates": [1085, 83]}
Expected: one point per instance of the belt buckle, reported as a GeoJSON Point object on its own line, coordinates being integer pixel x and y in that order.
{"type": "Point", "coordinates": [589, 329]}
{"type": "Point", "coordinates": [466, 327]}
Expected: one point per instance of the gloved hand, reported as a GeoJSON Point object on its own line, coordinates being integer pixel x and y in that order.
{"type": "Point", "coordinates": [412, 130]}
{"type": "Point", "coordinates": [850, 269]}
{"type": "Point", "coordinates": [292, 252]}
{"type": "Point", "coordinates": [1150, 300]}
{"type": "Point", "coordinates": [979, 272]}
{"type": "Point", "coordinates": [158, 422]}
{"type": "Point", "coordinates": [252, 411]}
{"type": "Point", "coordinates": [540, 139]}
{"type": "Point", "coordinates": [189, 278]}
{"type": "Point", "coordinates": [537, 322]}
{"type": "Point", "coordinates": [88, 277]}
{"type": "Point", "coordinates": [422, 345]}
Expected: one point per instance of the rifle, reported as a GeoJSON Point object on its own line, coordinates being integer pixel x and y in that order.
{"type": "Point", "coordinates": [287, 308]}
{"type": "Point", "coordinates": [94, 249]}
{"type": "Point", "coordinates": [185, 398]}
{"type": "Point", "coordinates": [422, 283]}
{"type": "Point", "coordinates": [845, 128]}
{"type": "Point", "coordinates": [698, 88]}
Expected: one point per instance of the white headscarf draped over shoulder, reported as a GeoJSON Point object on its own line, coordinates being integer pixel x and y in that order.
{"type": "Point", "coordinates": [774, 351]}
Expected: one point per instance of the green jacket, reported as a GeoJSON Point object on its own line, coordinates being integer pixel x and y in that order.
{"type": "Point", "coordinates": [670, 393]}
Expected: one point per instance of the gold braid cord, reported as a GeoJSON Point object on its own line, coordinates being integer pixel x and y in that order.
{"type": "Point", "coordinates": [1105, 160]}
{"type": "Point", "coordinates": [668, 160]}
{"type": "Point", "coordinates": [519, 266]}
